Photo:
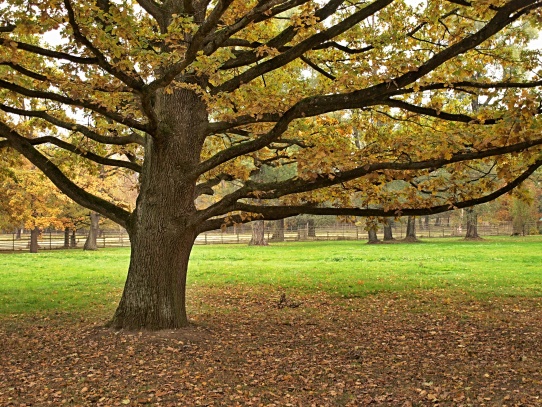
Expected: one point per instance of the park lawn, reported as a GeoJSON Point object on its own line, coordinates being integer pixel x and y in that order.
{"type": "Point", "coordinates": [445, 322]}
{"type": "Point", "coordinates": [87, 282]}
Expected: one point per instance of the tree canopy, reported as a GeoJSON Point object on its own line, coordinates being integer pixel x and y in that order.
{"type": "Point", "coordinates": [362, 108]}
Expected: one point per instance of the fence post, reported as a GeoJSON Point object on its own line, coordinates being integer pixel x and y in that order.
{"type": "Point", "coordinates": [50, 238]}
{"type": "Point", "coordinates": [13, 244]}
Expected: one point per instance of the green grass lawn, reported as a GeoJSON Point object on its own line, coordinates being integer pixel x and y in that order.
{"type": "Point", "coordinates": [92, 281]}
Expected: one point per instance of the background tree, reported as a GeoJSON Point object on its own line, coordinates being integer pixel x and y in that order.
{"type": "Point", "coordinates": [472, 224]}
{"type": "Point", "coordinates": [524, 211]}
{"type": "Point", "coordinates": [410, 235]}
{"type": "Point", "coordinates": [388, 232]}
{"type": "Point", "coordinates": [193, 93]}
{"type": "Point", "coordinates": [29, 199]}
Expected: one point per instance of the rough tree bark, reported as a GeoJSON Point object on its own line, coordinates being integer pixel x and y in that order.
{"type": "Point", "coordinates": [91, 243]}
{"type": "Point", "coordinates": [258, 234]}
{"type": "Point", "coordinates": [163, 227]}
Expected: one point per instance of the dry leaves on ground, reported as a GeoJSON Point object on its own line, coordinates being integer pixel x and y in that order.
{"type": "Point", "coordinates": [252, 349]}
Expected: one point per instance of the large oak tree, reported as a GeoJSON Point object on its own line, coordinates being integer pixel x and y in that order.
{"type": "Point", "coordinates": [351, 96]}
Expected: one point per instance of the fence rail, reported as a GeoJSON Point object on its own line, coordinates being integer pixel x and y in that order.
{"type": "Point", "coordinates": [51, 239]}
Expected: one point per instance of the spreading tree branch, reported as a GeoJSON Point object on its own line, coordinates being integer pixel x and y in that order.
{"type": "Point", "coordinates": [299, 49]}
{"type": "Point", "coordinates": [274, 190]}
{"type": "Point", "coordinates": [49, 53]}
{"type": "Point", "coordinates": [85, 154]}
{"type": "Point", "coordinates": [124, 140]}
{"type": "Point", "coordinates": [281, 212]}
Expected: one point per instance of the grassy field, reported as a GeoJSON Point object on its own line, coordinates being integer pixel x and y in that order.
{"type": "Point", "coordinates": [92, 281]}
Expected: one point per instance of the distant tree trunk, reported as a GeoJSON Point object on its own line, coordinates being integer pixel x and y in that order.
{"type": "Point", "coordinates": [34, 234]}
{"type": "Point", "coordinates": [472, 224]}
{"type": "Point", "coordinates": [426, 222]}
{"type": "Point", "coordinates": [258, 234]}
{"type": "Point", "coordinates": [90, 243]}
{"type": "Point", "coordinates": [311, 228]}
{"type": "Point", "coordinates": [66, 238]}
{"type": "Point", "coordinates": [411, 229]}
{"type": "Point", "coordinates": [18, 233]}
{"type": "Point", "coordinates": [73, 240]}
{"type": "Point", "coordinates": [388, 233]}
{"type": "Point", "coordinates": [437, 221]}
{"type": "Point", "coordinates": [373, 238]}
{"type": "Point", "coordinates": [278, 231]}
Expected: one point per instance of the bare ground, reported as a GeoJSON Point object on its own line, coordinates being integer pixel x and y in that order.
{"type": "Point", "coordinates": [249, 348]}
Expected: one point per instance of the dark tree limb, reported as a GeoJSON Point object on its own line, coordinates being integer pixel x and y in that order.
{"type": "Point", "coordinates": [85, 154]}
{"type": "Point", "coordinates": [24, 71]}
{"type": "Point", "coordinates": [7, 28]}
{"type": "Point", "coordinates": [133, 138]}
{"type": "Point", "coordinates": [220, 127]}
{"type": "Point", "coordinates": [317, 68]}
{"type": "Point", "coordinates": [206, 188]}
{"type": "Point", "coordinates": [53, 54]}
{"type": "Point", "coordinates": [429, 111]}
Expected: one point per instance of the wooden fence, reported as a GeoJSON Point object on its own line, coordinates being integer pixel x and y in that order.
{"type": "Point", "coordinates": [51, 239]}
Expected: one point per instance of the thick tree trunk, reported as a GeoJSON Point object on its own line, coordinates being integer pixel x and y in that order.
{"type": "Point", "coordinates": [278, 231]}
{"type": "Point", "coordinates": [411, 230]}
{"type": "Point", "coordinates": [164, 225]}
{"type": "Point", "coordinates": [258, 234]}
{"type": "Point", "coordinates": [388, 233]}
{"type": "Point", "coordinates": [34, 235]}
{"type": "Point", "coordinates": [91, 243]}
{"type": "Point", "coordinates": [472, 224]}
